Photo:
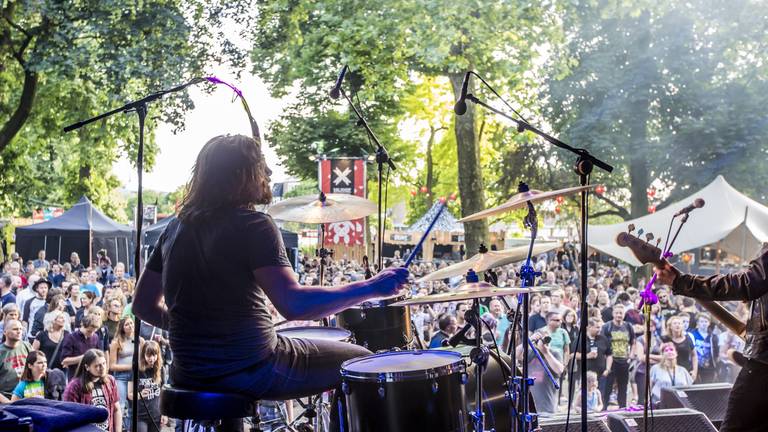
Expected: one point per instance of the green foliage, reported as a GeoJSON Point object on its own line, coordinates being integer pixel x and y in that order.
{"type": "Point", "coordinates": [670, 92]}
{"type": "Point", "coordinates": [67, 61]}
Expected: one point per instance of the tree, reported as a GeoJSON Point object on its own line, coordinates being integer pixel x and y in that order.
{"type": "Point", "coordinates": [385, 43]}
{"type": "Point", "coordinates": [669, 92]}
{"type": "Point", "coordinates": [65, 61]}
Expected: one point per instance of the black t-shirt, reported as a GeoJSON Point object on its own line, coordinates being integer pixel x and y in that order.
{"type": "Point", "coordinates": [219, 320]}
{"type": "Point", "coordinates": [621, 338]}
{"type": "Point", "coordinates": [49, 347]}
{"type": "Point", "coordinates": [602, 346]}
{"type": "Point", "coordinates": [535, 322]}
{"type": "Point", "coordinates": [149, 405]}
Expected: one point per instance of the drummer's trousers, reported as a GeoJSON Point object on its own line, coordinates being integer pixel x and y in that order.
{"type": "Point", "coordinates": [297, 368]}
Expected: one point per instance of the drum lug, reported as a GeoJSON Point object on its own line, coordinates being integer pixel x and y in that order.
{"type": "Point", "coordinates": [464, 377]}
{"type": "Point", "coordinates": [362, 313]}
{"type": "Point", "coordinates": [382, 392]}
{"type": "Point", "coordinates": [345, 388]}
{"type": "Point", "coordinates": [434, 387]}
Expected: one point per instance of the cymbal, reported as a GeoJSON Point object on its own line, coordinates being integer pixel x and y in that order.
{"type": "Point", "coordinates": [519, 200]}
{"type": "Point", "coordinates": [471, 291]}
{"type": "Point", "coordinates": [312, 209]}
{"type": "Point", "coordinates": [488, 260]}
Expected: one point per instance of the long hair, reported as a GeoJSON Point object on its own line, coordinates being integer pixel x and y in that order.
{"type": "Point", "coordinates": [82, 373]}
{"type": "Point", "coordinates": [152, 347]}
{"type": "Point", "coordinates": [121, 336]}
{"type": "Point", "coordinates": [230, 172]}
{"type": "Point", "coordinates": [32, 358]}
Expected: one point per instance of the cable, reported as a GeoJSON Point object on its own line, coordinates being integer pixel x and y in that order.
{"type": "Point", "coordinates": [498, 96]}
{"type": "Point", "coordinates": [572, 380]}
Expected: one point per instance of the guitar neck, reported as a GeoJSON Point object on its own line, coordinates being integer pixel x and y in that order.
{"type": "Point", "coordinates": [721, 314]}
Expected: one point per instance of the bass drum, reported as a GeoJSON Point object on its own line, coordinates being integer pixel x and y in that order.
{"type": "Point", "coordinates": [496, 406]}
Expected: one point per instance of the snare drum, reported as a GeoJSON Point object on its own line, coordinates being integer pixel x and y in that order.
{"type": "Point", "coordinates": [378, 326]}
{"type": "Point", "coordinates": [406, 391]}
{"type": "Point", "coordinates": [316, 332]}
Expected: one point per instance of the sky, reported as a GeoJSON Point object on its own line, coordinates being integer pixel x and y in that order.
{"type": "Point", "coordinates": [214, 114]}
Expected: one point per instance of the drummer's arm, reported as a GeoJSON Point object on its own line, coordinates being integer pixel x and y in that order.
{"type": "Point", "coordinates": [297, 302]}
{"type": "Point", "coordinates": [146, 301]}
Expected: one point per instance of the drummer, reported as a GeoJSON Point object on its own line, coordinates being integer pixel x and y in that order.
{"type": "Point", "coordinates": [221, 258]}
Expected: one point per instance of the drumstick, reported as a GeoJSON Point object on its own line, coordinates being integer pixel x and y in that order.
{"type": "Point", "coordinates": [424, 237]}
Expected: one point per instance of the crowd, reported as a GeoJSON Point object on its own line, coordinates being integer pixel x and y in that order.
{"type": "Point", "coordinates": [68, 333]}
{"type": "Point", "coordinates": [686, 345]}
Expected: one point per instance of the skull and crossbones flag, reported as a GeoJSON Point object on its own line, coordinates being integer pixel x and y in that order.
{"type": "Point", "coordinates": [345, 176]}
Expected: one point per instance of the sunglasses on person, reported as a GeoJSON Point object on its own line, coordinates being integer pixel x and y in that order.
{"type": "Point", "coordinates": [670, 349]}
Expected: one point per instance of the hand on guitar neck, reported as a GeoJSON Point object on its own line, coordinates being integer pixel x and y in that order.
{"type": "Point", "coordinates": [666, 273]}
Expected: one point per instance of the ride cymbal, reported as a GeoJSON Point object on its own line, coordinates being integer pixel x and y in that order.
{"type": "Point", "coordinates": [326, 208]}
{"type": "Point", "coordinates": [519, 200]}
{"type": "Point", "coordinates": [470, 291]}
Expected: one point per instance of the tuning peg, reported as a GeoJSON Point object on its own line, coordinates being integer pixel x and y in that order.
{"type": "Point", "coordinates": [658, 241]}
{"type": "Point", "coordinates": [648, 237]}
{"type": "Point", "coordinates": [640, 232]}
{"type": "Point", "coordinates": [631, 228]}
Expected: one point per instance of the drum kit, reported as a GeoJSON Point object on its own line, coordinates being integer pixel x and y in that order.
{"type": "Point", "coordinates": [403, 387]}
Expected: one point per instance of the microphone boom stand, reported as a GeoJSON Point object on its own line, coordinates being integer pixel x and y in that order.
{"type": "Point", "coordinates": [140, 108]}
{"type": "Point", "coordinates": [382, 157]}
{"type": "Point", "coordinates": [583, 167]}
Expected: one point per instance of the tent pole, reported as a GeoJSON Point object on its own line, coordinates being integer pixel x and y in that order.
{"type": "Point", "coordinates": [59, 255]}
{"type": "Point", "coordinates": [744, 238]}
{"type": "Point", "coordinates": [717, 257]}
{"type": "Point", "coordinates": [45, 243]}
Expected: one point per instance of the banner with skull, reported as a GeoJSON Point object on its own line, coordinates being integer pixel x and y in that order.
{"type": "Point", "coordinates": [345, 176]}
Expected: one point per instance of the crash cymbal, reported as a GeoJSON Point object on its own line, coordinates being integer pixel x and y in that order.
{"type": "Point", "coordinates": [519, 200]}
{"type": "Point", "coordinates": [471, 291]}
{"type": "Point", "coordinates": [325, 208]}
{"type": "Point", "coordinates": [488, 260]}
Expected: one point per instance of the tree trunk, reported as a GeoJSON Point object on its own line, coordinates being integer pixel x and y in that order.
{"type": "Point", "coordinates": [639, 175]}
{"type": "Point", "coordinates": [470, 175]}
{"type": "Point", "coordinates": [430, 173]}
{"type": "Point", "coordinates": [21, 114]}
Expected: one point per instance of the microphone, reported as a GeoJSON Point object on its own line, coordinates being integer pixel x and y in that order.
{"type": "Point", "coordinates": [334, 93]}
{"type": "Point", "coordinates": [458, 337]}
{"type": "Point", "coordinates": [461, 105]}
{"type": "Point", "coordinates": [697, 203]}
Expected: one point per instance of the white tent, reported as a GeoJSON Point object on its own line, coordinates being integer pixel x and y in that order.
{"type": "Point", "coordinates": [738, 222]}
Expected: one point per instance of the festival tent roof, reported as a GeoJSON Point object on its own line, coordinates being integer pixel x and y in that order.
{"type": "Point", "coordinates": [739, 223]}
{"type": "Point", "coordinates": [152, 234]}
{"type": "Point", "coordinates": [82, 229]}
{"type": "Point", "coordinates": [446, 222]}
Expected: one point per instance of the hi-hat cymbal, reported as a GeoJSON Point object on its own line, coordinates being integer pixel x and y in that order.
{"type": "Point", "coordinates": [519, 200]}
{"type": "Point", "coordinates": [488, 260]}
{"type": "Point", "coordinates": [329, 208]}
{"type": "Point", "coordinates": [471, 291]}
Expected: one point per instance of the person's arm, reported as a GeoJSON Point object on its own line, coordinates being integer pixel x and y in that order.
{"type": "Point", "coordinates": [36, 343]}
{"type": "Point", "coordinates": [746, 285]}
{"type": "Point", "coordinates": [146, 299]}
{"type": "Point", "coordinates": [694, 359]}
{"type": "Point", "coordinates": [117, 415]}
{"type": "Point", "coordinates": [296, 302]}
{"type": "Point", "coordinates": [71, 361]}
{"type": "Point", "coordinates": [599, 406]}
{"type": "Point", "coordinates": [608, 365]}
{"type": "Point", "coordinates": [113, 366]}
{"type": "Point", "coordinates": [555, 365]}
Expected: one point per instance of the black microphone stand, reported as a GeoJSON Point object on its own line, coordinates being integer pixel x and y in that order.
{"type": "Point", "coordinates": [140, 108]}
{"type": "Point", "coordinates": [585, 162]}
{"type": "Point", "coordinates": [382, 157]}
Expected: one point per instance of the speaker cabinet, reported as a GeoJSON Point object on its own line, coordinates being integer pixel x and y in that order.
{"type": "Point", "coordinates": [556, 423]}
{"type": "Point", "coordinates": [667, 420]}
{"type": "Point", "coordinates": [711, 399]}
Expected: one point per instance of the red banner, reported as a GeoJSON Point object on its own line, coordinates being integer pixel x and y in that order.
{"type": "Point", "coordinates": [344, 175]}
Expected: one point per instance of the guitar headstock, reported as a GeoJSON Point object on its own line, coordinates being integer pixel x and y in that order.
{"type": "Point", "coordinates": [643, 250]}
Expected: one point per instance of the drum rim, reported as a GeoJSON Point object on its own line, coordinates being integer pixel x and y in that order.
{"type": "Point", "coordinates": [458, 366]}
{"type": "Point", "coordinates": [381, 302]}
{"type": "Point", "coordinates": [341, 330]}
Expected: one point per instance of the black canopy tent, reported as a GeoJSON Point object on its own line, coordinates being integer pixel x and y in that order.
{"type": "Point", "coordinates": [82, 229]}
{"type": "Point", "coordinates": [152, 234]}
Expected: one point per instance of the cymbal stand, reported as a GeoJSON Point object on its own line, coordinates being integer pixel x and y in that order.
{"type": "Point", "coordinates": [479, 356]}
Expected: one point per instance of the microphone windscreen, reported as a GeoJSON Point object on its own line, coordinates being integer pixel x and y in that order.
{"type": "Point", "coordinates": [335, 93]}
{"type": "Point", "coordinates": [460, 108]}
{"type": "Point", "coordinates": [698, 203]}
